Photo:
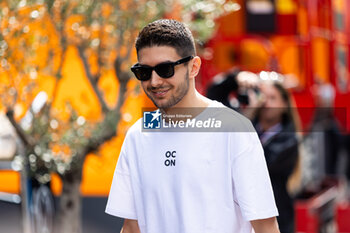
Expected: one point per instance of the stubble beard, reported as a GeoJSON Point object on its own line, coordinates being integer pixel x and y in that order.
{"type": "Point", "coordinates": [175, 98]}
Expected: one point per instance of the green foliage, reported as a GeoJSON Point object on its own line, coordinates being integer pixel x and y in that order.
{"type": "Point", "coordinates": [200, 15]}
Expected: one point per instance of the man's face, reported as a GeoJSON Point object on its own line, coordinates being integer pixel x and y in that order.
{"type": "Point", "coordinates": [165, 93]}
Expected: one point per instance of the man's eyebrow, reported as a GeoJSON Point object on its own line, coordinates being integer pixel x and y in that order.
{"type": "Point", "coordinates": [167, 61]}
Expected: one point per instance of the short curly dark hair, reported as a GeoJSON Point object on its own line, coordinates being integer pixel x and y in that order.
{"type": "Point", "coordinates": [167, 32]}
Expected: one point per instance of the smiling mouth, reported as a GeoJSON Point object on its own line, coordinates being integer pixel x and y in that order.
{"type": "Point", "coordinates": [159, 93]}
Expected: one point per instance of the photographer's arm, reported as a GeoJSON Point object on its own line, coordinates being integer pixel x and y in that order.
{"type": "Point", "coordinates": [237, 81]}
{"type": "Point", "coordinates": [223, 84]}
{"type": "Point", "coordinates": [268, 225]}
{"type": "Point", "coordinates": [130, 226]}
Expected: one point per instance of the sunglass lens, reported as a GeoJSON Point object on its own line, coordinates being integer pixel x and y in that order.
{"type": "Point", "coordinates": [142, 73]}
{"type": "Point", "coordinates": [165, 70]}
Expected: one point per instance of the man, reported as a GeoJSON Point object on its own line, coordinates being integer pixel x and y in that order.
{"type": "Point", "coordinates": [218, 182]}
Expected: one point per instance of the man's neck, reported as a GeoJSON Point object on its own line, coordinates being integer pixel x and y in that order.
{"type": "Point", "coordinates": [193, 104]}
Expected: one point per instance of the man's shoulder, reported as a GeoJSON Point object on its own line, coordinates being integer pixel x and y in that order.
{"type": "Point", "coordinates": [135, 129]}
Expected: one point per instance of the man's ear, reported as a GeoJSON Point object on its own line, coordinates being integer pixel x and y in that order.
{"type": "Point", "coordinates": [195, 67]}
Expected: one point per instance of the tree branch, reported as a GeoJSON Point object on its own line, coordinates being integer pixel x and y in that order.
{"type": "Point", "coordinates": [110, 132]}
{"type": "Point", "coordinates": [63, 42]}
{"type": "Point", "coordinates": [58, 76]}
{"type": "Point", "coordinates": [128, 54]}
{"type": "Point", "coordinates": [123, 78]}
{"type": "Point", "coordinates": [28, 142]}
{"type": "Point", "coordinates": [95, 144]}
{"type": "Point", "coordinates": [99, 53]}
{"type": "Point", "coordinates": [91, 79]}
{"type": "Point", "coordinates": [14, 84]}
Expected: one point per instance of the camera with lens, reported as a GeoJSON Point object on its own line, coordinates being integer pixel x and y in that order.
{"type": "Point", "coordinates": [243, 97]}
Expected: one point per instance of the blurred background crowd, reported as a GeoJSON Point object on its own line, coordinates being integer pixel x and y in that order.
{"type": "Point", "coordinates": [68, 97]}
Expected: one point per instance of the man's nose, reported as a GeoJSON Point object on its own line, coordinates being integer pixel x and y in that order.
{"type": "Point", "coordinates": [156, 80]}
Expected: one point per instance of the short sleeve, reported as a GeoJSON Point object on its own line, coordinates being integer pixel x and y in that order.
{"type": "Point", "coordinates": [251, 179]}
{"type": "Point", "coordinates": [121, 199]}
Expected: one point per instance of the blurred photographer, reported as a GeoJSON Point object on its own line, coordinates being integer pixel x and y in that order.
{"type": "Point", "coordinates": [264, 100]}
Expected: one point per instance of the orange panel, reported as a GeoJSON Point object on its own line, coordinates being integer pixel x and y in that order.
{"type": "Point", "coordinates": [302, 21]}
{"type": "Point", "coordinates": [254, 56]}
{"type": "Point", "coordinates": [286, 6]}
{"type": "Point", "coordinates": [10, 182]}
{"type": "Point", "coordinates": [232, 24]}
{"type": "Point", "coordinates": [75, 88]}
{"type": "Point", "coordinates": [223, 56]}
{"type": "Point", "coordinates": [288, 56]}
{"type": "Point", "coordinates": [320, 59]}
{"type": "Point", "coordinates": [56, 184]}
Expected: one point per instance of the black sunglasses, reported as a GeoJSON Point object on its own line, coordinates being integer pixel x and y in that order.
{"type": "Point", "coordinates": [164, 70]}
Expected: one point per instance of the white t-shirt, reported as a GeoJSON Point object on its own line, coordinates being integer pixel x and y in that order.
{"type": "Point", "coordinates": [192, 182]}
